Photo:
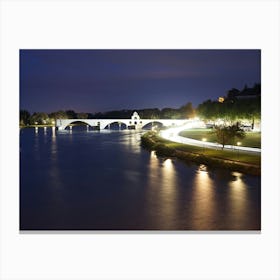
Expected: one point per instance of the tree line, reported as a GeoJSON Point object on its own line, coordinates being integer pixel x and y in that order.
{"type": "Point", "coordinates": [236, 106]}
{"type": "Point", "coordinates": [41, 118]}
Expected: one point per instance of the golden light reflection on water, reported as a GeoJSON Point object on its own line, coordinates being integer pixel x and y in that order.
{"type": "Point", "coordinates": [162, 192]}
{"type": "Point", "coordinates": [153, 169]}
{"type": "Point", "coordinates": [169, 192]}
{"type": "Point", "coordinates": [132, 140]}
{"type": "Point", "coordinates": [53, 133]}
{"type": "Point", "coordinates": [238, 194]}
{"type": "Point", "coordinates": [55, 174]}
{"type": "Point", "coordinates": [53, 143]}
{"type": "Point", "coordinates": [203, 204]}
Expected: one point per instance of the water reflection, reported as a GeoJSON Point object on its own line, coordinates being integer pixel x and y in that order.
{"type": "Point", "coordinates": [161, 193]}
{"type": "Point", "coordinates": [36, 145]}
{"type": "Point", "coordinates": [203, 210]}
{"type": "Point", "coordinates": [45, 135]}
{"type": "Point", "coordinates": [76, 184]}
{"type": "Point", "coordinates": [53, 133]}
{"type": "Point", "coordinates": [168, 193]}
{"type": "Point", "coordinates": [53, 144]}
{"type": "Point", "coordinates": [132, 140]}
{"type": "Point", "coordinates": [56, 181]}
{"type": "Point", "coordinates": [238, 200]}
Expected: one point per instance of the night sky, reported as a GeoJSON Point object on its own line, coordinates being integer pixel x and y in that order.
{"type": "Point", "coordinates": [102, 80]}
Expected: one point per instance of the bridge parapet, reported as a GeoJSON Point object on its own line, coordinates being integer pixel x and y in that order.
{"type": "Point", "coordinates": [135, 121]}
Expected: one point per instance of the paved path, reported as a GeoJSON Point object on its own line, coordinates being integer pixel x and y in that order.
{"type": "Point", "coordinates": [172, 134]}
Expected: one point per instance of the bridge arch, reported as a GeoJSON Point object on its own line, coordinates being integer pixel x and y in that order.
{"type": "Point", "coordinates": [115, 124]}
{"type": "Point", "coordinates": [151, 124]}
{"type": "Point", "coordinates": [84, 122]}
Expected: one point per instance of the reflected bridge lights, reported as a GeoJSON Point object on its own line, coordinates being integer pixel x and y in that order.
{"type": "Point", "coordinates": [53, 132]}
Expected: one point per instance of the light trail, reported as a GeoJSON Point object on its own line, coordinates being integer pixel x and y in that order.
{"type": "Point", "coordinates": [172, 134]}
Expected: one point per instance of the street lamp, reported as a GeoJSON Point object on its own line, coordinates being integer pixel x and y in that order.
{"type": "Point", "coordinates": [238, 144]}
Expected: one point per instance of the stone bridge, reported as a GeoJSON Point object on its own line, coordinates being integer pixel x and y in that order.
{"type": "Point", "coordinates": [135, 121]}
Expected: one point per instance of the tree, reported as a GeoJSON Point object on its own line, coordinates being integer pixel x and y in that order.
{"type": "Point", "coordinates": [82, 115]}
{"type": "Point", "coordinates": [170, 113]}
{"type": "Point", "coordinates": [238, 105]}
{"type": "Point", "coordinates": [226, 135]}
{"type": "Point", "coordinates": [208, 110]}
{"type": "Point", "coordinates": [71, 114]}
{"type": "Point", "coordinates": [24, 117]}
{"type": "Point", "coordinates": [187, 111]}
{"type": "Point", "coordinates": [39, 118]}
{"type": "Point", "coordinates": [58, 115]}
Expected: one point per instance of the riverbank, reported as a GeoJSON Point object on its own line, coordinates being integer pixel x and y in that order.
{"type": "Point", "coordinates": [230, 160]}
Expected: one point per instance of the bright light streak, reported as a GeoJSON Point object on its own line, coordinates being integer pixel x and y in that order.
{"type": "Point", "coordinates": [167, 163]}
{"type": "Point", "coordinates": [53, 132]}
{"type": "Point", "coordinates": [153, 154]}
{"type": "Point", "coordinates": [172, 134]}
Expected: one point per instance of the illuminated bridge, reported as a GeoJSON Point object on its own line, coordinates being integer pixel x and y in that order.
{"type": "Point", "coordinates": [134, 122]}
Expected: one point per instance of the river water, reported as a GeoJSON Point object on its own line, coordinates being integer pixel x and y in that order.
{"type": "Point", "coordinates": [87, 180]}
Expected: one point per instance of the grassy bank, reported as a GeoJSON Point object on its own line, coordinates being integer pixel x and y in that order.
{"type": "Point", "coordinates": [252, 139]}
{"type": "Point", "coordinates": [231, 160]}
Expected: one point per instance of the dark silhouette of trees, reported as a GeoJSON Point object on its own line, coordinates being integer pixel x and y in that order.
{"type": "Point", "coordinates": [71, 114]}
{"type": "Point", "coordinates": [58, 115]}
{"type": "Point", "coordinates": [24, 117]}
{"type": "Point", "coordinates": [187, 111]}
{"type": "Point", "coordinates": [184, 112]}
{"type": "Point", "coordinates": [82, 115]}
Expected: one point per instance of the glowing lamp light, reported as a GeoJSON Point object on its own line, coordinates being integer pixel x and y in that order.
{"type": "Point", "coordinates": [238, 143]}
{"type": "Point", "coordinates": [204, 139]}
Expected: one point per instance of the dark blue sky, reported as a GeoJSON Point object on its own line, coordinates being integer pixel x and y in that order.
{"type": "Point", "coordinates": [103, 80]}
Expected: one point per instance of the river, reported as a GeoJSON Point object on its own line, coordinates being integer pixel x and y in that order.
{"type": "Point", "coordinates": [91, 180]}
